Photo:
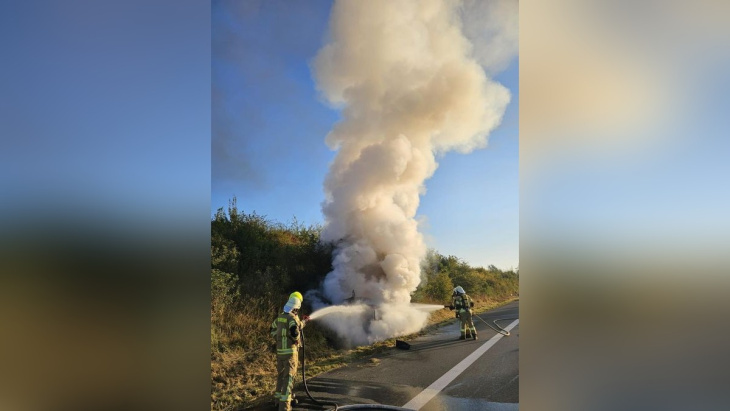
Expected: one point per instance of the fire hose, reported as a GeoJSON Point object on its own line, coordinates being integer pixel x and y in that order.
{"type": "Point", "coordinates": [304, 377]}
{"type": "Point", "coordinates": [498, 329]}
{"type": "Point", "coordinates": [374, 406]}
{"type": "Point", "coordinates": [346, 407]}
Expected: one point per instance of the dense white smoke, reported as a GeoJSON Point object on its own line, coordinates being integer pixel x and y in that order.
{"type": "Point", "coordinates": [360, 324]}
{"type": "Point", "coordinates": [410, 87]}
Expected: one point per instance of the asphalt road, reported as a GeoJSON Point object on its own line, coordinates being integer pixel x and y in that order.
{"type": "Point", "coordinates": [490, 382]}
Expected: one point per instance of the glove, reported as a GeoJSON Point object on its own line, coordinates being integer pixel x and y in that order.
{"type": "Point", "coordinates": [451, 307]}
{"type": "Point", "coordinates": [472, 304]}
{"type": "Point", "coordinates": [305, 318]}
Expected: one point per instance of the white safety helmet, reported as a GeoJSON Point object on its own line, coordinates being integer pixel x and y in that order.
{"type": "Point", "coordinates": [459, 290]}
{"type": "Point", "coordinates": [293, 304]}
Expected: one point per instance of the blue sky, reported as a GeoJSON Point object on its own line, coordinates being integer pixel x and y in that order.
{"type": "Point", "coordinates": [269, 125]}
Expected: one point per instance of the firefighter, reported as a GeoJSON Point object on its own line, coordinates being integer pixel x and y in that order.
{"type": "Point", "coordinates": [286, 330]}
{"type": "Point", "coordinates": [463, 304]}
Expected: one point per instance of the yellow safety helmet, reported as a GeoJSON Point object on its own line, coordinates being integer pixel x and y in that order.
{"type": "Point", "coordinates": [297, 294]}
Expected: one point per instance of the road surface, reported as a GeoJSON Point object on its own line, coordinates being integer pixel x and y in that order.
{"type": "Point", "coordinates": [439, 372]}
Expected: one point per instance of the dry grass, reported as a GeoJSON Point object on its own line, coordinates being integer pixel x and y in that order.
{"type": "Point", "coordinates": [242, 360]}
{"type": "Point", "coordinates": [243, 363]}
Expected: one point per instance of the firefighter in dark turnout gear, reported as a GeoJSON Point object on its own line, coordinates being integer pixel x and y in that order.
{"type": "Point", "coordinates": [463, 304]}
{"type": "Point", "coordinates": [286, 330]}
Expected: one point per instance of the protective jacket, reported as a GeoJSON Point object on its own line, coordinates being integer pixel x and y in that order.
{"type": "Point", "coordinates": [285, 330]}
{"type": "Point", "coordinates": [462, 302]}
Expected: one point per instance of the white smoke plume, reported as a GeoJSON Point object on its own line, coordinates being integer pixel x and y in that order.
{"type": "Point", "coordinates": [410, 87]}
{"type": "Point", "coordinates": [360, 324]}
{"type": "Point", "coordinates": [492, 27]}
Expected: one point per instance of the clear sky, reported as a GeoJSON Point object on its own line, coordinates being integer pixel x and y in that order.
{"type": "Point", "coordinates": [269, 125]}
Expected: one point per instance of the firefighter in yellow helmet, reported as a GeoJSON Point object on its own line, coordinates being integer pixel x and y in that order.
{"type": "Point", "coordinates": [286, 330]}
{"type": "Point", "coordinates": [463, 304]}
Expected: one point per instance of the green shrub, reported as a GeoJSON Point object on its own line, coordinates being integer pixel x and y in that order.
{"type": "Point", "coordinates": [224, 290]}
{"type": "Point", "coordinates": [477, 281]}
{"type": "Point", "coordinates": [439, 288]}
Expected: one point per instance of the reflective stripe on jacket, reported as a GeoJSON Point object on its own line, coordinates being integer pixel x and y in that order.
{"type": "Point", "coordinates": [285, 330]}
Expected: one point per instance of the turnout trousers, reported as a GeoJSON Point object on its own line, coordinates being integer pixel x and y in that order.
{"type": "Point", "coordinates": [286, 367]}
{"type": "Point", "coordinates": [467, 324]}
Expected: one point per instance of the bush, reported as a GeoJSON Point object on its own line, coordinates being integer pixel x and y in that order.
{"type": "Point", "coordinates": [223, 290]}
{"type": "Point", "coordinates": [451, 271]}
{"type": "Point", "coordinates": [265, 257]}
{"type": "Point", "coordinates": [439, 289]}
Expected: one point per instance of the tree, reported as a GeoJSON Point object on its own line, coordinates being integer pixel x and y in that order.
{"type": "Point", "coordinates": [430, 265]}
{"type": "Point", "coordinates": [439, 288]}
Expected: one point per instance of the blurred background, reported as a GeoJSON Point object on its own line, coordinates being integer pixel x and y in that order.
{"type": "Point", "coordinates": [104, 205]}
{"type": "Point", "coordinates": [623, 205]}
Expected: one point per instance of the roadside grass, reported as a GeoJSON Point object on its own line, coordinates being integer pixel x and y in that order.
{"type": "Point", "coordinates": [243, 363]}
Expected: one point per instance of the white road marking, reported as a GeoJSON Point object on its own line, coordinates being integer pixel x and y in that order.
{"type": "Point", "coordinates": [427, 394]}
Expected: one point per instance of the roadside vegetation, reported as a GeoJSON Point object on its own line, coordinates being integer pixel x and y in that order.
{"type": "Point", "coordinates": [256, 263]}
